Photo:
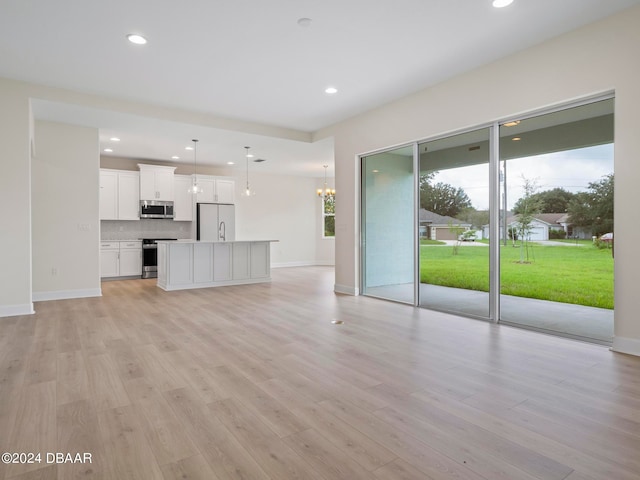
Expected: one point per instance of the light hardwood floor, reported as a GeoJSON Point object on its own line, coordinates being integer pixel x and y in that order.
{"type": "Point", "coordinates": [255, 382]}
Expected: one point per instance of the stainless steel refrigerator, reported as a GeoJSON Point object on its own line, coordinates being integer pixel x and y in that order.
{"type": "Point", "coordinates": [216, 222]}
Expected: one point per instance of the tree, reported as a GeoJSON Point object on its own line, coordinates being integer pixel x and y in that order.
{"type": "Point", "coordinates": [593, 209]}
{"type": "Point", "coordinates": [556, 200]}
{"type": "Point", "coordinates": [530, 206]}
{"type": "Point", "coordinates": [442, 198]}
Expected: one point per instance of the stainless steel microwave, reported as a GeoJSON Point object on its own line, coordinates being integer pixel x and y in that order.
{"type": "Point", "coordinates": [156, 209]}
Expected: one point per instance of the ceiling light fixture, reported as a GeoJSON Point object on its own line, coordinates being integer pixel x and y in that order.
{"type": "Point", "coordinates": [248, 192]}
{"type": "Point", "coordinates": [114, 139]}
{"type": "Point", "coordinates": [326, 192]}
{"type": "Point", "coordinates": [108, 150]}
{"type": "Point", "coordinates": [231, 163]}
{"type": "Point", "coordinates": [516, 139]}
{"type": "Point", "coordinates": [512, 123]}
{"type": "Point", "coordinates": [331, 90]}
{"type": "Point", "coordinates": [304, 22]}
{"type": "Point", "coordinates": [188, 148]}
{"type": "Point", "coordinates": [195, 188]}
{"type": "Point", "coordinates": [175, 157]}
{"type": "Point", "coordinates": [501, 3]}
{"type": "Point", "coordinates": [136, 39]}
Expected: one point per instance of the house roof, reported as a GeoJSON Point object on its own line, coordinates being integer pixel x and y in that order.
{"type": "Point", "coordinates": [548, 218]}
{"type": "Point", "coordinates": [426, 216]}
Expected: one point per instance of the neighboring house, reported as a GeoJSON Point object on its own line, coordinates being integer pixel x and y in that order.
{"type": "Point", "coordinates": [542, 224]}
{"type": "Point", "coordinates": [440, 227]}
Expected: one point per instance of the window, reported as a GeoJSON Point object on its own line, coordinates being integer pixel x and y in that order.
{"type": "Point", "coordinates": [329, 216]}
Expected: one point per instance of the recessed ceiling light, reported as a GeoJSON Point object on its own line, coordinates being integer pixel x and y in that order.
{"type": "Point", "coordinates": [137, 39]}
{"type": "Point", "coordinates": [108, 150]}
{"type": "Point", "coordinates": [375, 171]}
{"type": "Point", "coordinates": [502, 3]}
{"type": "Point", "coordinates": [249, 155]}
{"type": "Point", "coordinates": [304, 22]}
{"type": "Point", "coordinates": [175, 157]}
{"type": "Point", "coordinates": [331, 90]}
{"type": "Point", "coordinates": [188, 148]}
{"type": "Point", "coordinates": [513, 123]}
{"type": "Point", "coordinates": [516, 139]}
{"type": "Point", "coordinates": [231, 163]}
{"type": "Point", "coordinates": [114, 139]}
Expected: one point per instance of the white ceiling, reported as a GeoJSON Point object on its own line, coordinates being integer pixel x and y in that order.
{"type": "Point", "coordinates": [250, 60]}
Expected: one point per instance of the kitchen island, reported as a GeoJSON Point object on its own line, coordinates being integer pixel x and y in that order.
{"type": "Point", "coordinates": [185, 264]}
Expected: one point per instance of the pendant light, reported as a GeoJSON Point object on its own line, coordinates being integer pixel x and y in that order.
{"type": "Point", "coordinates": [326, 192]}
{"type": "Point", "coordinates": [248, 192]}
{"type": "Point", "coordinates": [195, 188]}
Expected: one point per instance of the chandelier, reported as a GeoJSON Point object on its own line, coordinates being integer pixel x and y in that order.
{"type": "Point", "coordinates": [326, 192]}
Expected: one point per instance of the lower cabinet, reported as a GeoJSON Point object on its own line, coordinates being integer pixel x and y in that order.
{"type": "Point", "coordinates": [193, 264]}
{"type": "Point", "coordinates": [120, 259]}
{"type": "Point", "coordinates": [109, 259]}
{"type": "Point", "coordinates": [222, 262]}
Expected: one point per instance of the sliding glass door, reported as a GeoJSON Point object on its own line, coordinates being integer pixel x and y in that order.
{"type": "Point", "coordinates": [512, 222]}
{"type": "Point", "coordinates": [454, 223]}
{"type": "Point", "coordinates": [557, 190]}
{"type": "Point", "coordinates": [388, 225]}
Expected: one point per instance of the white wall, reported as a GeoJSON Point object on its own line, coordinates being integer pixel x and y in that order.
{"type": "Point", "coordinates": [15, 197]}
{"type": "Point", "coordinates": [283, 209]}
{"type": "Point", "coordinates": [597, 58]}
{"type": "Point", "coordinates": [65, 226]}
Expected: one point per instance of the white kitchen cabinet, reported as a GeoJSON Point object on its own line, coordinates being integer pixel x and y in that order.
{"type": "Point", "coordinates": [108, 195]}
{"type": "Point", "coordinates": [208, 186]}
{"type": "Point", "coordinates": [182, 198]}
{"type": "Point", "coordinates": [185, 264]}
{"type": "Point", "coordinates": [128, 196]}
{"type": "Point", "coordinates": [222, 262]}
{"type": "Point", "coordinates": [259, 259]}
{"type": "Point", "coordinates": [216, 190]}
{"type": "Point", "coordinates": [156, 182]}
{"type": "Point", "coordinates": [109, 259]}
{"type": "Point", "coordinates": [202, 262]}
{"type": "Point", "coordinates": [119, 195]}
{"type": "Point", "coordinates": [241, 265]}
{"type": "Point", "coordinates": [120, 259]}
{"type": "Point", "coordinates": [225, 190]}
{"type": "Point", "coordinates": [130, 259]}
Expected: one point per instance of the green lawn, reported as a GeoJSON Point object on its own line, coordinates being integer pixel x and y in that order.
{"type": "Point", "coordinates": [580, 274]}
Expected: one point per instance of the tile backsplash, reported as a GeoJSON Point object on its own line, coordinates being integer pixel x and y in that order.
{"type": "Point", "coordinates": [147, 228]}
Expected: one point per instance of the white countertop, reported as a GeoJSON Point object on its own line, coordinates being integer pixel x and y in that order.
{"type": "Point", "coordinates": [211, 241]}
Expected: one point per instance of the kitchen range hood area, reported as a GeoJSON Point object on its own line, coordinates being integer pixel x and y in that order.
{"type": "Point", "coordinates": [153, 225]}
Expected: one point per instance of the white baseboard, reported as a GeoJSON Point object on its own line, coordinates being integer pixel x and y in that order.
{"type": "Point", "coordinates": [627, 345]}
{"type": "Point", "coordinates": [347, 290]}
{"type": "Point", "coordinates": [15, 310]}
{"type": "Point", "coordinates": [66, 294]}
{"type": "Point", "coordinates": [301, 264]}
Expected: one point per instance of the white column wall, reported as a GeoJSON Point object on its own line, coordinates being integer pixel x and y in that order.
{"type": "Point", "coordinates": [65, 224]}
{"type": "Point", "coordinates": [597, 58]}
{"type": "Point", "coordinates": [15, 198]}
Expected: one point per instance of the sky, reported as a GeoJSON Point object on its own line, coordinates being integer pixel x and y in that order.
{"type": "Point", "coordinates": [572, 170]}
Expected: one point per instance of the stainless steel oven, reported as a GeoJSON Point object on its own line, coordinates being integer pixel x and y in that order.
{"type": "Point", "coordinates": [150, 256]}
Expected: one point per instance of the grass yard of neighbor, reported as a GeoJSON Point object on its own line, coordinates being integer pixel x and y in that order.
{"type": "Point", "coordinates": [579, 274]}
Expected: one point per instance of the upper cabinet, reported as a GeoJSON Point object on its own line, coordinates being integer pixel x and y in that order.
{"type": "Point", "coordinates": [119, 195]}
{"type": "Point", "coordinates": [156, 182]}
{"type": "Point", "coordinates": [225, 190]}
{"type": "Point", "coordinates": [182, 198]}
{"type": "Point", "coordinates": [216, 190]}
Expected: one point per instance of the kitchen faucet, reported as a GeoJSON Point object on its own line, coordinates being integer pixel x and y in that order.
{"type": "Point", "coordinates": [222, 232]}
